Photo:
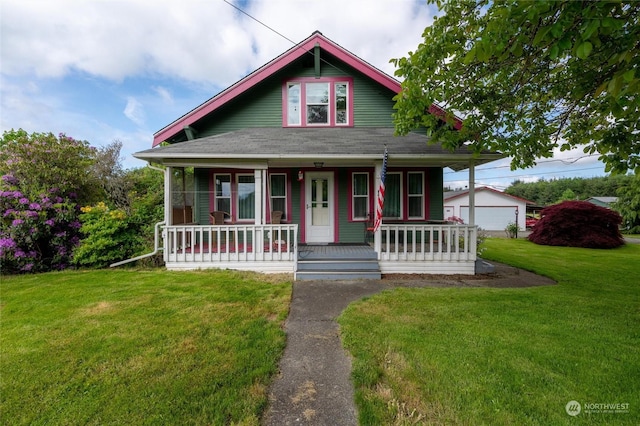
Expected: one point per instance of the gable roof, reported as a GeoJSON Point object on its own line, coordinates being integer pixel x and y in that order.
{"type": "Point", "coordinates": [450, 195]}
{"type": "Point", "coordinates": [301, 147]}
{"type": "Point", "coordinates": [602, 201]}
{"type": "Point", "coordinates": [286, 58]}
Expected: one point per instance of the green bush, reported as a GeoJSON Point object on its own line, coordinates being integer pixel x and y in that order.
{"type": "Point", "coordinates": [109, 236]}
{"type": "Point", "coordinates": [512, 229]}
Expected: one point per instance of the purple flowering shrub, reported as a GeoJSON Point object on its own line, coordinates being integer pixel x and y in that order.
{"type": "Point", "coordinates": [36, 233]}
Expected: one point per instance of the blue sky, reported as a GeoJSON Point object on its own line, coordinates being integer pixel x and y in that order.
{"type": "Point", "coordinates": [121, 70]}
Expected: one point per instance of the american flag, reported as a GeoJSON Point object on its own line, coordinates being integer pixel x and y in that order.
{"type": "Point", "coordinates": [380, 203]}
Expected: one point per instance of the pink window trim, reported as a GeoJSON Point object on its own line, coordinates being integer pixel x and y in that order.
{"type": "Point", "coordinates": [212, 190]}
{"type": "Point", "coordinates": [370, 202]}
{"type": "Point", "coordinates": [234, 189]}
{"type": "Point", "coordinates": [424, 195]}
{"type": "Point", "coordinates": [289, 205]}
{"type": "Point", "coordinates": [404, 172]}
{"type": "Point", "coordinates": [331, 81]}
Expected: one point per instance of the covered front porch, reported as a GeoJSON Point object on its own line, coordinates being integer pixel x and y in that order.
{"type": "Point", "coordinates": [250, 199]}
{"type": "Point", "coordinates": [274, 248]}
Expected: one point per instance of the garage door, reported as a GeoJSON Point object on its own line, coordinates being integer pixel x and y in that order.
{"type": "Point", "coordinates": [491, 218]}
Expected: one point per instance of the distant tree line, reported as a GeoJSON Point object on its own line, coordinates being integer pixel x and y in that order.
{"type": "Point", "coordinates": [625, 187]}
{"type": "Point", "coordinates": [547, 192]}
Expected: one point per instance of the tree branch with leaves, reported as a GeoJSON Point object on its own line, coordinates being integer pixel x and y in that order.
{"type": "Point", "coordinates": [528, 77]}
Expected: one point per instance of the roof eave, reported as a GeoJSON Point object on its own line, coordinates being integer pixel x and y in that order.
{"type": "Point", "coordinates": [267, 70]}
{"type": "Point", "coordinates": [456, 162]}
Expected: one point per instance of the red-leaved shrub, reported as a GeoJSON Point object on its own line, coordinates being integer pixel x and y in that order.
{"type": "Point", "coordinates": [578, 224]}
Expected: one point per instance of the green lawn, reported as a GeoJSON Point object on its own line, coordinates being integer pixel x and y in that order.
{"type": "Point", "coordinates": [139, 347]}
{"type": "Point", "coordinates": [473, 356]}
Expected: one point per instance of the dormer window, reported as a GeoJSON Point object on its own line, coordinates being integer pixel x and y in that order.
{"type": "Point", "coordinates": [318, 102]}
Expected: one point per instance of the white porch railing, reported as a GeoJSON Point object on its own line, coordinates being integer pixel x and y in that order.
{"type": "Point", "coordinates": [194, 246]}
{"type": "Point", "coordinates": [401, 248]}
{"type": "Point", "coordinates": [444, 243]}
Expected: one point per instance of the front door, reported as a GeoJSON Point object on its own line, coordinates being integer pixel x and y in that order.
{"type": "Point", "coordinates": [319, 207]}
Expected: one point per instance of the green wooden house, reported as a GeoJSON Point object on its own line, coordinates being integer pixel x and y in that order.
{"type": "Point", "coordinates": [290, 157]}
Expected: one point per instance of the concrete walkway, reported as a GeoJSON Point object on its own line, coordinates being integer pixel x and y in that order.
{"type": "Point", "coordinates": [314, 385]}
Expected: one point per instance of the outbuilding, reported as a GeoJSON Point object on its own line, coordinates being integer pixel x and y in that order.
{"type": "Point", "coordinates": [494, 209]}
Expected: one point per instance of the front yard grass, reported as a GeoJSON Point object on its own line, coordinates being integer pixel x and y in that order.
{"type": "Point", "coordinates": [471, 356]}
{"type": "Point", "coordinates": [139, 347]}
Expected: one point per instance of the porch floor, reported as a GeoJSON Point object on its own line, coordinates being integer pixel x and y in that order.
{"type": "Point", "coordinates": [336, 251]}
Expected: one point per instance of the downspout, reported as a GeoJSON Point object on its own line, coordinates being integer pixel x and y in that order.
{"type": "Point", "coordinates": [156, 237]}
{"type": "Point", "coordinates": [156, 245]}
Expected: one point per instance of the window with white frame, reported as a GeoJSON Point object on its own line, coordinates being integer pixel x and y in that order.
{"type": "Point", "coordinates": [293, 104]}
{"type": "Point", "coordinates": [360, 195]}
{"type": "Point", "coordinates": [392, 208]}
{"type": "Point", "coordinates": [278, 193]}
{"type": "Point", "coordinates": [415, 195]}
{"type": "Point", "coordinates": [246, 196]}
{"type": "Point", "coordinates": [223, 192]}
{"type": "Point", "coordinates": [342, 103]}
{"type": "Point", "coordinates": [318, 102]}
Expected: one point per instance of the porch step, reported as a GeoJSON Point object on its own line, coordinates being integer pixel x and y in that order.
{"type": "Point", "coordinates": [336, 276]}
{"type": "Point", "coordinates": [344, 269]}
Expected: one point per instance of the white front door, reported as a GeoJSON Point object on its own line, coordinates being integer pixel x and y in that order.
{"type": "Point", "coordinates": [319, 207]}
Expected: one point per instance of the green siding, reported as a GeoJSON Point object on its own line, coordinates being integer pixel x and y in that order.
{"type": "Point", "coordinates": [436, 201]}
{"type": "Point", "coordinates": [262, 105]}
{"type": "Point", "coordinates": [296, 208]}
{"type": "Point", "coordinates": [349, 232]}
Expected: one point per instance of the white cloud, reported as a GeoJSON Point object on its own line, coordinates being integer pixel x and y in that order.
{"type": "Point", "coordinates": [134, 111]}
{"type": "Point", "coordinates": [164, 94]}
{"type": "Point", "coordinates": [164, 57]}
{"type": "Point", "coordinates": [194, 40]}
{"type": "Point", "coordinates": [376, 31]}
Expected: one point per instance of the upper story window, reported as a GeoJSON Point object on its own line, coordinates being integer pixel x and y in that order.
{"type": "Point", "coordinates": [312, 102]}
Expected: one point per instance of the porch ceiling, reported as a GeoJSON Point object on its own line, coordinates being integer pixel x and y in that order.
{"type": "Point", "coordinates": [300, 147]}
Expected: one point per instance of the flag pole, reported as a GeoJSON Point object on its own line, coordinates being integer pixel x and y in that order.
{"type": "Point", "coordinates": [379, 204]}
{"type": "Point", "coordinates": [381, 191]}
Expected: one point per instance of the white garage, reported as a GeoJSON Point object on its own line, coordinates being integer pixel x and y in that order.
{"type": "Point", "coordinates": [494, 209]}
{"type": "Point", "coordinates": [491, 218]}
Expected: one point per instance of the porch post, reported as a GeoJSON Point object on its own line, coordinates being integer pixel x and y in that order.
{"type": "Point", "coordinates": [168, 209]}
{"type": "Point", "coordinates": [259, 196]}
{"type": "Point", "coordinates": [168, 190]}
{"type": "Point", "coordinates": [472, 193]}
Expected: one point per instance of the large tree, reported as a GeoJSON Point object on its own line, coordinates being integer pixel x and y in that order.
{"type": "Point", "coordinates": [527, 77]}
{"type": "Point", "coordinates": [41, 162]}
